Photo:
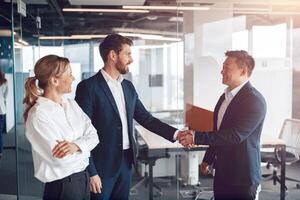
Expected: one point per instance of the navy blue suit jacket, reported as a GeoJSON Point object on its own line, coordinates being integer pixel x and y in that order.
{"type": "Point", "coordinates": [95, 98]}
{"type": "Point", "coordinates": [235, 147]}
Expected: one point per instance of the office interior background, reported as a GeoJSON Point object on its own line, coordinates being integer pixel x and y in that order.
{"type": "Point", "coordinates": [178, 53]}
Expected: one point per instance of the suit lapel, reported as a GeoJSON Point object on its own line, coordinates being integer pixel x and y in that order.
{"type": "Point", "coordinates": [234, 101]}
{"type": "Point", "coordinates": [238, 97]}
{"type": "Point", "coordinates": [107, 92]}
{"type": "Point", "coordinates": [127, 98]}
{"type": "Point", "coordinates": [216, 111]}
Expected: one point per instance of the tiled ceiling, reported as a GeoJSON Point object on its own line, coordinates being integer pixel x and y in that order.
{"type": "Point", "coordinates": [56, 22]}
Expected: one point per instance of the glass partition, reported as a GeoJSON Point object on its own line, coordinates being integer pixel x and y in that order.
{"type": "Point", "coordinates": [270, 45]}
{"type": "Point", "coordinates": [209, 34]}
{"type": "Point", "coordinates": [8, 169]}
{"type": "Point", "coordinates": [25, 43]}
{"type": "Point", "coordinates": [157, 69]}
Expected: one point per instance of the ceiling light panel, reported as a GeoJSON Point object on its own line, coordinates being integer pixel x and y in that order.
{"type": "Point", "coordinates": [100, 10]}
{"type": "Point", "coordinates": [240, 1]}
{"type": "Point", "coordinates": [106, 2]}
{"type": "Point", "coordinates": [176, 8]}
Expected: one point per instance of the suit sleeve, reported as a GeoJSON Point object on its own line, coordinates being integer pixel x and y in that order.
{"type": "Point", "coordinates": [144, 118]}
{"type": "Point", "coordinates": [210, 153]}
{"type": "Point", "coordinates": [209, 156]}
{"type": "Point", "coordinates": [245, 122]}
{"type": "Point", "coordinates": [92, 168]}
{"type": "Point", "coordinates": [84, 99]}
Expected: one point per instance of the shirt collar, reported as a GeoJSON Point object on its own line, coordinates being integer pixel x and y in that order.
{"type": "Point", "coordinates": [108, 78]}
{"type": "Point", "coordinates": [230, 94]}
{"type": "Point", "coordinates": [44, 100]}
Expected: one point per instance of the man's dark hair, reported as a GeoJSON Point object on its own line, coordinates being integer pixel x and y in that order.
{"type": "Point", "coordinates": [242, 59]}
{"type": "Point", "coordinates": [112, 42]}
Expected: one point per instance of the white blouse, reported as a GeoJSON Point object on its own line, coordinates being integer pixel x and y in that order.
{"type": "Point", "coordinates": [48, 122]}
{"type": "Point", "coordinates": [3, 96]}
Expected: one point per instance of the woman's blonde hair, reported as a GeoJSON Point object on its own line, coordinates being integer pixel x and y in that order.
{"type": "Point", "coordinates": [45, 68]}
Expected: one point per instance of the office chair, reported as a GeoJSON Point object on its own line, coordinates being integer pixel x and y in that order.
{"type": "Point", "coordinates": [145, 159]}
{"type": "Point", "coordinates": [290, 133]}
{"type": "Point", "coordinates": [206, 193]}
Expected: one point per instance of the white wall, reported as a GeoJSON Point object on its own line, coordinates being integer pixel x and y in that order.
{"type": "Point", "coordinates": [274, 81]}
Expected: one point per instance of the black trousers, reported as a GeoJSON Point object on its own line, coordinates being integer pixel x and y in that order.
{"type": "Point", "coordinates": [73, 187]}
{"type": "Point", "coordinates": [235, 193]}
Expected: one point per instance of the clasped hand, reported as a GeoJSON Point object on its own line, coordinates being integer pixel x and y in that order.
{"type": "Point", "coordinates": [63, 148]}
{"type": "Point", "coordinates": [186, 138]}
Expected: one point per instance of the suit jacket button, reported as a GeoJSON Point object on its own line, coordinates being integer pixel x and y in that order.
{"type": "Point", "coordinates": [119, 127]}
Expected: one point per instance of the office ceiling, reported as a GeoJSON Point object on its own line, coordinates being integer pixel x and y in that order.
{"type": "Point", "coordinates": [55, 22]}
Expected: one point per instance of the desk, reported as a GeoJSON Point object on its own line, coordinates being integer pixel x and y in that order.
{"type": "Point", "coordinates": [159, 146]}
{"type": "Point", "coordinates": [280, 144]}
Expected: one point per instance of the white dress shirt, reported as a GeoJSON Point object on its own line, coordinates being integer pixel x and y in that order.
{"type": "Point", "coordinates": [48, 122]}
{"type": "Point", "coordinates": [118, 94]}
{"type": "Point", "coordinates": [3, 95]}
{"type": "Point", "coordinates": [229, 95]}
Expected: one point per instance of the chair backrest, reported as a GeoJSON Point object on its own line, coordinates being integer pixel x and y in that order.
{"type": "Point", "coordinates": [290, 133]}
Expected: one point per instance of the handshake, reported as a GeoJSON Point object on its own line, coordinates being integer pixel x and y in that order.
{"type": "Point", "coordinates": [186, 138]}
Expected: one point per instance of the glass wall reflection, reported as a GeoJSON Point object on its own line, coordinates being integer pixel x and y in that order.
{"type": "Point", "coordinates": [209, 34]}
{"type": "Point", "coordinates": [8, 170]}
{"type": "Point", "coordinates": [157, 69]}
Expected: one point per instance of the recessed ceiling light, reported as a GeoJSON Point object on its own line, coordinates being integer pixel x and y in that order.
{"type": "Point", "coordinates": [151, 37]}
{"type": "Point", "coordinates": [152, 17]}
{"type": "Point", "coordinates": [72, 37]}
{"type": "Point", "coordinates": [176, 19]}
{"type": "Point", "coordinates": [176, 8]}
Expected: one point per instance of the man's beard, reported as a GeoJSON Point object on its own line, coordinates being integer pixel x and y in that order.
{"type": "Point", "coordinates": [121, 69]}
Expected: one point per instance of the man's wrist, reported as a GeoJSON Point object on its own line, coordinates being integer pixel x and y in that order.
{"type": "Point", "coordinates": [193, 133]}
{"type": "Point", "coordinates": [175, 135]}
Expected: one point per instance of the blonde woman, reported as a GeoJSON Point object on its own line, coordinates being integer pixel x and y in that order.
{"type": "Point", "coordinates": [60, 133]}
